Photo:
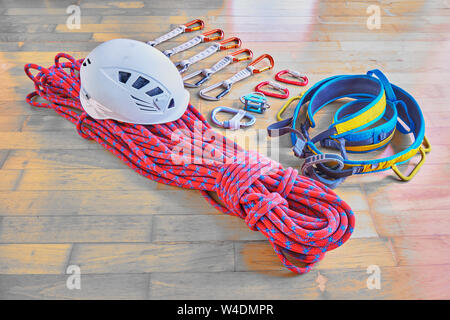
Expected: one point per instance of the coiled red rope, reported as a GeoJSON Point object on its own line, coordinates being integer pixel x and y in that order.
{"type": "Point", "coordinates": [300, 217]}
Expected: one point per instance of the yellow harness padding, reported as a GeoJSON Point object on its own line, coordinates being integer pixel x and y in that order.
{"type": "Point", "coordinates": [371, 146]}
{"type": "Point", "coordinates": [370, 114]}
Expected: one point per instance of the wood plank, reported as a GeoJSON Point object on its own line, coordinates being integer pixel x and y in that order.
{"type": "Point", "coordinates": [414, 222]}
{"type": "Point", "coordinates": [75, 229]}
{"type": "Point", "coordinates": [84, 179]}
{"type": "Point", "coordinates": [359, 252]}
{"type": "Point", "coordinates": [395, 198]}
{"type": "Point", "coordinates": [396, 283]}
{"type": "Point", "coordinates": [431, 250]}
{"type": "Point", "coordinates": [93, 286]}
{"type": "Point", "coordinates": [62, 159]}
{"type": "Point", "coordinates": [10, 178]}
{"type": "Point", "coordinates": [34, 258]}
{"type": "Point", "coordinates": [222, 227]}
{"type": "Point", "coordinates": [155, 257]}
{"type": "Point", "coordinates": [70, 202]}
{"type": "Point", "coordinates": [45, 140]}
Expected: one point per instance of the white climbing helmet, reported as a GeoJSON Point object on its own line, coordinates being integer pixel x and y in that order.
{"type": "Point", "coordinates": [130, 81]}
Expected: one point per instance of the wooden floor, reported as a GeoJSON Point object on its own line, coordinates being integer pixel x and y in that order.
{"type": "Point", "coordinates": [65, 201]}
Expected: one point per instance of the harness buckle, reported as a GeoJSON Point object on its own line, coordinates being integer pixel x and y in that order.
{"type": "Point", "coordinates": [255, 102]}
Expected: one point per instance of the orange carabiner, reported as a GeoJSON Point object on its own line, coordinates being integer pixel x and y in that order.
{"type": "Point", "coordinates": [200, 26]}
{"type": "Point", "coordinates": [248, 56]}
{"type": "Point", "coordinates": [236, 43]}
{"type": "Point", "coordinates": [260, 58]}
{"type": "Point", "coordinates": [219, 32]}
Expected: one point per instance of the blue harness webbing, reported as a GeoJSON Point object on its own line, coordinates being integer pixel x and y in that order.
{"type": "Point", "coordinates": [366, 123]}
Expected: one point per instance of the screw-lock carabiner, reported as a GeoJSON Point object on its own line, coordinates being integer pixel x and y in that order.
{"type": "Point", "coordinates": [235, 122]}
{"type": "Point", "coordinates": [241, 75]}
{"type": "Point", "coordinates": [178, 30]}
{"type": "Point", "coordinates": [204, 37]}
{"type": "Point", "coordinates": [183, 65]}
{"type": "Point", "coordinates": [205, 74]}
{"type": "Point", "coordinates": [295, 74]}
{"type": "Point", "coordinates": [275, 86]}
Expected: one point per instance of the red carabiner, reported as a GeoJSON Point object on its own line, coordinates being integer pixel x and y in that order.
{"type": "Point", "coordinates": [275, 86]}
{"type": "Point", "coordinates": [200, 26]}
{"type": "Point", "coordinates": [295, 74]}
{"type": "Point", "coordinates": [260, 58]}
{"type": "Point", "coordinates": [213, 31]}
{"type": "Point", "coordinates": [248, 56]}
{"type": "Point", "coordinates": [235, 40]}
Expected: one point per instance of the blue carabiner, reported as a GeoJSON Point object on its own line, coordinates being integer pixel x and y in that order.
{"type": "Point", "coordinates": [235, 122]}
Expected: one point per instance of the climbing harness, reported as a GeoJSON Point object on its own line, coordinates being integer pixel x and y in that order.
{"type": "Point", "coordinates": [364, 124]}
{"type": "Point", "coordinates": [205, 74]}
{"type": "Point", "coordinates": [144, 88]}
{"type": "Point", "coordinates": [187, 27]}
{"type": "Point", "coordinates": [274, 85]}
{"type": "Point", "coordinates": [303, 79]}
{"type": "Point", "coordinates": [183, 65]}
{"type": "Point", "coordinates": [204, 37]}
{"type": "Point", "coordinates": [235, 122]}
{"type": "Point", "coordinates": [241, 75]}
{"type": "Point", "coordinates": [286, 105]}
{"type": "Point", "coordinates": [300, 217]}
{"type": "Point", "coordinates": [255, 102]}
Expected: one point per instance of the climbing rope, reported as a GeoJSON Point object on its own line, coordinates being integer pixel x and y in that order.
{"type": "Point", "coordinates": [301, 218]}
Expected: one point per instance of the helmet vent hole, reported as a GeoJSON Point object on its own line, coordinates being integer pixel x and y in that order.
{"type": "Point", "coordinates": [171, 104]}
{"type": "Point", "coordinates": [124, 76]}
{"type": "Point", "coordinates": [154, 92]}
{"type": "Point", "coordinates": [89, 61]}
{"type": "Point", "coordinates": [140, 82]}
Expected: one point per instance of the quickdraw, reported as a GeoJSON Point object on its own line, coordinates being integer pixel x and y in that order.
{"type": "Point", "coordinates": [303, 79]}
{"type": "Point", "coordinates": [241, 75]}
{"type": "Point", "coordinates": [187, 27]}
{"type": "Point", "coordinates": [364, 124]}
{"type": "Point", "coordinates": [301, 218]}
{"type": "Point", "coordinates": [204, 37]}
{"type": "Point", "coordinates": [183, 65]}
{"type": "Point", "coordinates": [274, 85]}
{"type": "Point", "coordinates": [235, 122]}
{"type": "Point", "coordinates": [206, 74]}
{"type": "Point", "coordinates": [255, 102]}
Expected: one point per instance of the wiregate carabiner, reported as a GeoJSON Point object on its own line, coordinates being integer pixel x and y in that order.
{"type": "Point", "coordinates": [260, 58]}
{"type": "Point", "coordinates": [200, 26]}
{"type": "Point", "coordinates": [241, 75]}
{"type": "Point", "coordinates": [204, 37]}
{"type": "Point", "coordinates": [219, 32]}
{"type": "Point", "coordinates": [235, 122]}
{"type": "Point", "coordinates": [275, 86]}
{"type": "Point", "coordinates": [295, 74]}
{"type": "Point", "coordinates": [222, 63]}
{"type": "Point", "coordinates": [177, 31]}
{"type": "Point", "coordinates": [183, 65]}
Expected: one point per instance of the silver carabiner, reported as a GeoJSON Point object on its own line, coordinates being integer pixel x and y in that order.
{"type": "Point", "coordinates": [226, 84]}
{"type": "Point", "coordinates": [205, 76]}
{"type": "Point", "coordinates": [235, 122]}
